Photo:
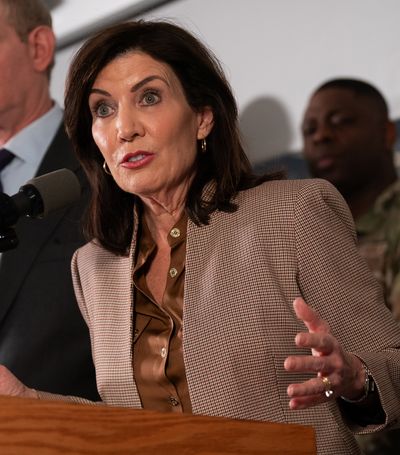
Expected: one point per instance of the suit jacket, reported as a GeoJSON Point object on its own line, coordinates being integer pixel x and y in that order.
{"type": "Point", "coordinates": [243, 271]}
{"type": "Point", "coordinates": [43, 339]}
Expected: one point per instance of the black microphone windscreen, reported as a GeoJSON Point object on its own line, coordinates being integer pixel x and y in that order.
{"type": "Point", "coordinates": [57, 189]}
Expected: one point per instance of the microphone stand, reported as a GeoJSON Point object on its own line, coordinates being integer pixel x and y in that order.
{"type": "Point", "coordinates": [8, 236]}
{"type": "Point", "coordinates": [8, 239]}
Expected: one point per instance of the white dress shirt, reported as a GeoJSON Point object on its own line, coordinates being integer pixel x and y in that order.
{"type": "Point", "coordinates": [29, 147]}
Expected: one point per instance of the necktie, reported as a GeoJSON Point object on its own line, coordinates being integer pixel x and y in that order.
{"type": "Point", "coordinates": [5, 158]}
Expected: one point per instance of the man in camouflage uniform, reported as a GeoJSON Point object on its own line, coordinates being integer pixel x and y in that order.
{"type": "Point", "coordinates": [348, 140]}
{"type": "Point", "coordinates": [379, 243]}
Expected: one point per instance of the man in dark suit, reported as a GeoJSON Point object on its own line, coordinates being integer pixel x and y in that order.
{"type": "Point", "coordinates": [43, 337]}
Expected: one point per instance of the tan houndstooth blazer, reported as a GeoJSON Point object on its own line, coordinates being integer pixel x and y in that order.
{"type": "Point", "coordinates": [243, 270]}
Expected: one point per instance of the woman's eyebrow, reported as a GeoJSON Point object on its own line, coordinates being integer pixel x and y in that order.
{"type": "Point", "coordinates": [134, 88]}
{"type": "Point", "coordinates": [99, 91]}
{"type": "Point", "coordinates": [146, 80]}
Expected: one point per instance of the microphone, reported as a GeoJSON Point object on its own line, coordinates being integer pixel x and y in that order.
{"type": "Point", "coordinates": [36, 199]}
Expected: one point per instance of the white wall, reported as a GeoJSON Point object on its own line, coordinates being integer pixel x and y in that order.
{"type": "Point", "coordinates": [276, 52]}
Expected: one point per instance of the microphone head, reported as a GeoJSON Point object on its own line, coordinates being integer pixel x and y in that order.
{"type": "Point", "coordinates": [57, 190]}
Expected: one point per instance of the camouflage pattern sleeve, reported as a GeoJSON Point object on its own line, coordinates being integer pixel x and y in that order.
{"type": "Point", "coordinates": [379, 243]}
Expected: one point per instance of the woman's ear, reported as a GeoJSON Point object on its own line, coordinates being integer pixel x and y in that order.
{"type": "Point", "coordinates": [390, 135]}
{"type": "Point", "coordinates": [41, 41]}
{"type": "Point", "coordinates": [206, 122]}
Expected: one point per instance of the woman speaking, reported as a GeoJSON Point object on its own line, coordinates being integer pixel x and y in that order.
{"type": "Point", "coordinates": [208, 289]}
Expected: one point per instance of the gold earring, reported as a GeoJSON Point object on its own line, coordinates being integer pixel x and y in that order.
{"type": "Point", "coordinates": [106, 169]}
{"type": "Point", "coordinates": [203, 145]}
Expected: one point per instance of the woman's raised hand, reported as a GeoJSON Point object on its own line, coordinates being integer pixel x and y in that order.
{"type": "Point", "coordinates": [338, 373]}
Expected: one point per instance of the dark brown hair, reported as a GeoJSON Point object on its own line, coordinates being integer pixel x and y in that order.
{"type": "Point", "coordinates": [110, 216]}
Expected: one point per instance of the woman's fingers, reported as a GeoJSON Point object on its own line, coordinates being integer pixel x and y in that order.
{"type": "Point", "coordinates": [309, 316]}
{"type": "Point", "coordinates": [307, 402]}
{"type": "Point", "coordinates": [334, 368]}
{"type": "Point", "coordinates": [310, 393]}
{"type": "Point", "coordinates": [314, 386]}
{"type": "Point", "coordinates": [321, 342]}
{"type": "Point", "coordinates": [309, 364]}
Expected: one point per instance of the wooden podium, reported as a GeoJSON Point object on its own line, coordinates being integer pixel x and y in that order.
{"type": "Point", "coordinates": [33, 427]}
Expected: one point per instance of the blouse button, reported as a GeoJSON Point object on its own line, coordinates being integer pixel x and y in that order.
{"type": "Point", "coordinates": [173, 401]}
{"type": "Point", "coordinates": [175, 233]}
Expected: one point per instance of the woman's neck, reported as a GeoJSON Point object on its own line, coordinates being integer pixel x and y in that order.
{"type": "Point", "coordinates": [160, 220]}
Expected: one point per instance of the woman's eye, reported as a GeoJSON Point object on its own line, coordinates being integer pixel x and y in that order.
{"type": "Point", "coordinates": [102, 110]}
{"type": "Point", "coordinates": [150, 98]}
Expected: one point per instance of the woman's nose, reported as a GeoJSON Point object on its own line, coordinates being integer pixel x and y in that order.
{"type": "Point", "coordinates": [128, 126]}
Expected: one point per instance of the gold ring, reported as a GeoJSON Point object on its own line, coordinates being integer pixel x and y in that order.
{"type": "Point", "coordinates": [328, 386]}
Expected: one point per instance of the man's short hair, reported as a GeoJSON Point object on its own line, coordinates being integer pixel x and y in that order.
{"type": "Point", "coordinates": [25, 15]}
{"type": "Point", "coordinates": [358, 87]}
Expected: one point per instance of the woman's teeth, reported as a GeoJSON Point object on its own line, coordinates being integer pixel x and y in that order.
{"type": "Point", "coordinates": [135, 158]}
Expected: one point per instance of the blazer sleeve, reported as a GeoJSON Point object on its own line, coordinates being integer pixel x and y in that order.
{"type": "Point", "coordinates": [78, 287]}
{"type": "Point", "coordinates": [336, 281]}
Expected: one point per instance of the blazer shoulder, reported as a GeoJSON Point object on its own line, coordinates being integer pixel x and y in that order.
{"type": "Point", "coordinates": [293, 201]}
{"type": "Point", "coordinates": [91, 254]}
{"type": "Point", "coordinates": [290, 193]}
{"type": "Point", "coordinates": [92, 259]}
{"type": "Point", "coordinates": [292, 189]}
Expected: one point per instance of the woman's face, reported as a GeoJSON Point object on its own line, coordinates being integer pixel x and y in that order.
{"type": "Point", "coordinates": [144, 127]}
